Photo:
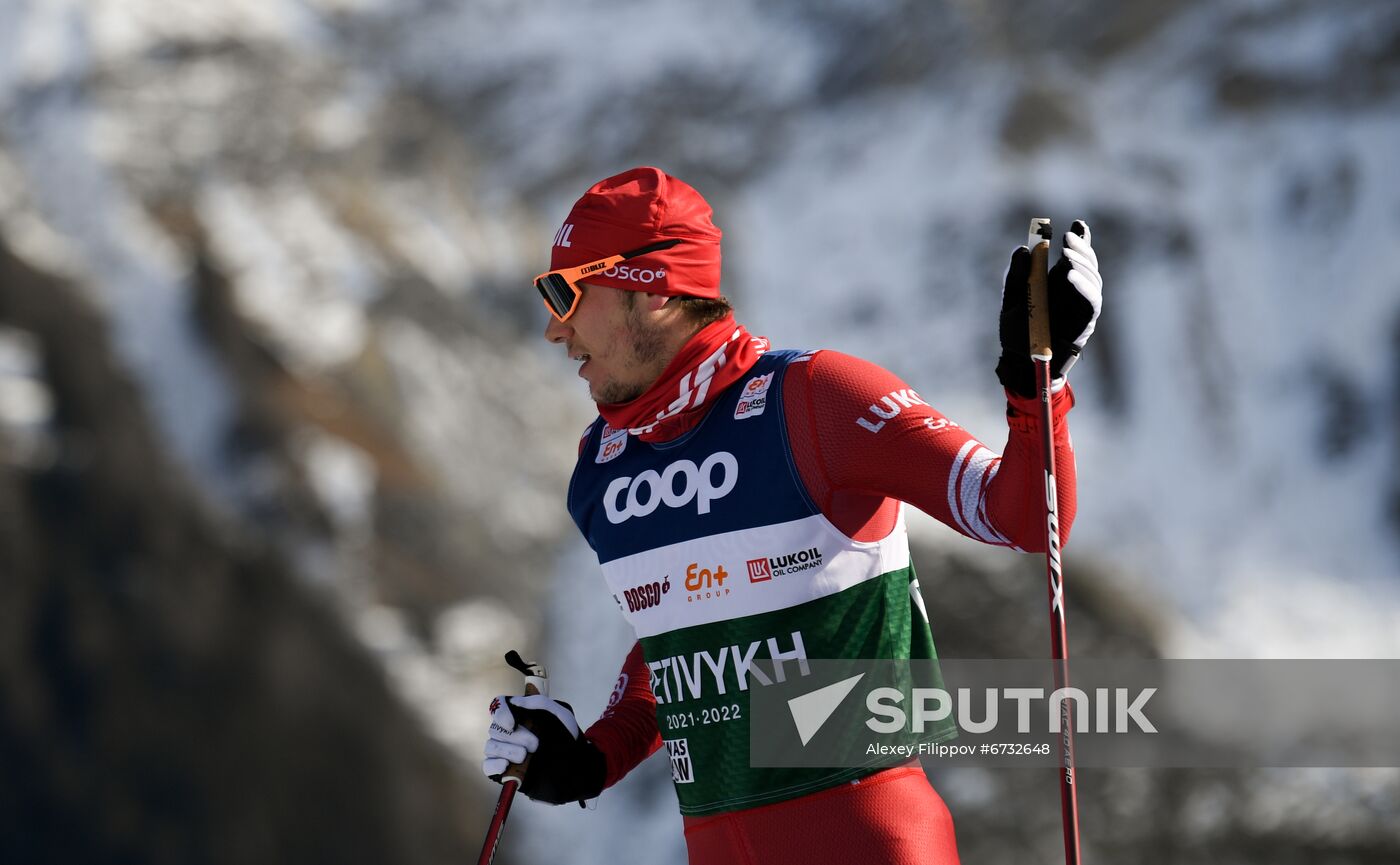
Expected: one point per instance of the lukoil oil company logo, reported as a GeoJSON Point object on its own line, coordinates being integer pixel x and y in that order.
{"type": "Point", "coordinates": [647, 595]}
{"type": "Point", "coordinates": [790, 563]}
{"type": "Point", "coordinates": [611, 444]}
{"type": "Point", "coordinates": [682, 770]}
{"type": "Point", "coordinates": [650, 489]}
{"type": "Point", "coordinates": [705, 584]}
{"type": "Point", "coordinates": [754, 398]}
{"type": "Point", "coordinates": [889, 407]}
{"type": "Point", "coordinates": [644, 275]}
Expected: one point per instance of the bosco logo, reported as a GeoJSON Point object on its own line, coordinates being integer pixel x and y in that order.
{"type": "Point", "coordinates": [644, 275]}
{"type": "Point", "coordinates": [650, 489]}
{"type": "Point", "coordinates": [647, 595]}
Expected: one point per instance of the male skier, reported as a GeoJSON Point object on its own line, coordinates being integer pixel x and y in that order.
{"type": "Point", "coordinates": [746, 504]}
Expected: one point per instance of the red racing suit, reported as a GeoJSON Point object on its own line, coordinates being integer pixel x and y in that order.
{"type": "Point", "coordinates": [863, 441]}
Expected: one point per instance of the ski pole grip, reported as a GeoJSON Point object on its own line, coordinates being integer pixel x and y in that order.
{"type": "Point", "coordinates": [536, 682]}
{"type": "Point", "coordinates": [1038, 289]}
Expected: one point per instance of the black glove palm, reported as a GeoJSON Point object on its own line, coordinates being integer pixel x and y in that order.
{"type": "Point", "coordinates": [1075, 292]}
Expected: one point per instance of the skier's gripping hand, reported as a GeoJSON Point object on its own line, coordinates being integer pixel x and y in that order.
{"type": "Point", "coordinates": [1075, 297]}
{"type": "Point", "coordinates": [564, 765]}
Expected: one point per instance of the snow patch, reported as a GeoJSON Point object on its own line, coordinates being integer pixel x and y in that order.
{"type": "Point", "coordinates": [297, 274]}
{"type": "Point", "coordinates": [343, 478]}
{"type": "Point", "coordinates": [26, 403]}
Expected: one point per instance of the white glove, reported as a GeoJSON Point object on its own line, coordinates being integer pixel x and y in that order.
{"type": "Point", "coordinates": [510, 742]}
{"type": "Point", "coordinates": [564, 765]}
{"type": "Point", "coordinates": [1079, 266]}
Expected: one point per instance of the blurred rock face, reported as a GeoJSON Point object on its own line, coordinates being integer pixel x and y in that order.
{"type": "Point", "coordinates": [168, 692]}
{"type": "Point", "coordinates": [268, 450]}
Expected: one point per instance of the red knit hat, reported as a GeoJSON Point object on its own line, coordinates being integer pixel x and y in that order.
{"type": "Point", "coordinates": [636, 208]}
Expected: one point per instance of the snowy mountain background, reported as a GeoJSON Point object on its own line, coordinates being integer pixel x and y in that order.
{"type": "Point", "coordinates": [305, 229]}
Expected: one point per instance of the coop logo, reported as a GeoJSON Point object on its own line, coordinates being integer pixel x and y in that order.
{"type": "Point", "coordinates": [611, 445]}
{"type": "Point", "coordinates": [777, 566]}
{"type": "Point", "coordinates": [628, 497]}
{"type": "Point", "coordinates": [644, 275]}
{"type": "Point", "coordinates": [755, 397]}
{"type": "Point", "coordinates": [682, 771]}
{"type": "Point", "coordinates": [647, 595]}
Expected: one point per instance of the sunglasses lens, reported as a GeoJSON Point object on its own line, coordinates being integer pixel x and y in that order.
{"type": "Point", "coordinates": [556, 292]}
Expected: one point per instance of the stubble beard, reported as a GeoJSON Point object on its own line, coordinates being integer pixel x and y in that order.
{"type": "Point", "coordinates": [646, 346]}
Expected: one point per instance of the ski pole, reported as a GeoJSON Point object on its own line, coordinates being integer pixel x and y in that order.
{"type": "Point", "coordinates": [1040, 237]}
{"type": "Point", "coordinates": [536, 682]}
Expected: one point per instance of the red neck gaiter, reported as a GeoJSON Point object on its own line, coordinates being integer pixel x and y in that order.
{"type": "Point", "coordinates": [712, 360]}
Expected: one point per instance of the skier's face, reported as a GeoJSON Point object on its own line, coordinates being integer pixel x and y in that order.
{"type": "Point", "coordinates": [621, 339]}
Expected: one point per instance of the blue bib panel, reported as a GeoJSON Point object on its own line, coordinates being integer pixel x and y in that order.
{"type": "Point", "coordinates": [734, 470]}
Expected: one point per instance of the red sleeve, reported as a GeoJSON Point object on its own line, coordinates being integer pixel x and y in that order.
{"type": "Point", "coordinates": [861, 437]}
{"type": "Point", "coordinates": [627, 733]}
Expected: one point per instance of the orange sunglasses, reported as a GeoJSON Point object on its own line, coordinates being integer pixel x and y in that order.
{"type": "Point", "coordinates": [560, 289]}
